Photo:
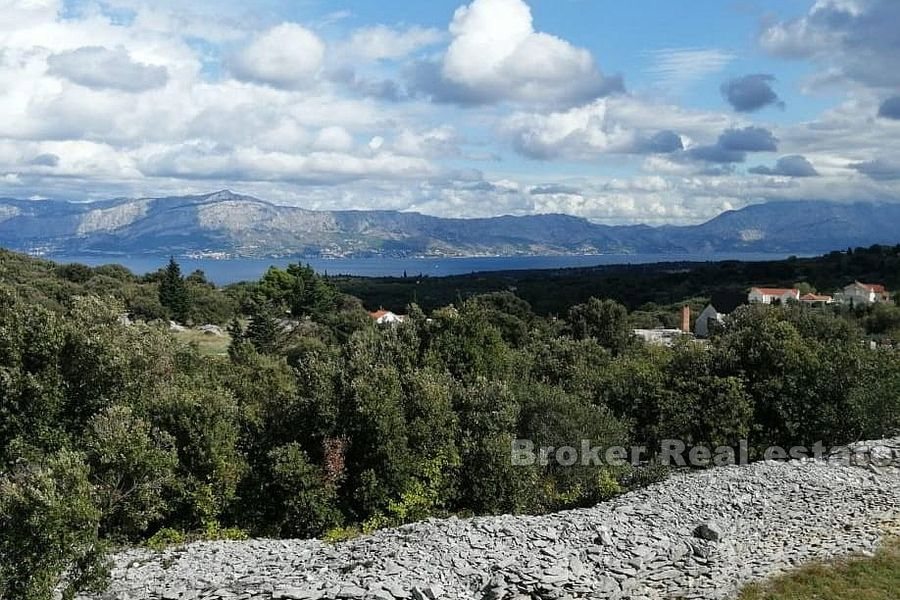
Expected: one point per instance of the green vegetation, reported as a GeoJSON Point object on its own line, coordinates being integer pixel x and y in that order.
{"type": "Point", "coordinates": [317, 422]}
{"type": "Point", "coordinates": [638, 287]}
{"type": "Point", "coordinates": [862, 578]}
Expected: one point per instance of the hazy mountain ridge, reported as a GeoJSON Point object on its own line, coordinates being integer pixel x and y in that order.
{"type": "Point", "coordinates": [224, 222]}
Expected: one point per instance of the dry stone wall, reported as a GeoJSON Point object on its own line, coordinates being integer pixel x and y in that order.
{"type": "Point", "coordinates": [696, 535]}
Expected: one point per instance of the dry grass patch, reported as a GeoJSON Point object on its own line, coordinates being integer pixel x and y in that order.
{"type": "Point", "coordinates": [859, 578]}
{"type": "Point", "coordinates": [207, 344]}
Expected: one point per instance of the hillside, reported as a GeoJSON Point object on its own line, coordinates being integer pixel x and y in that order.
{"type": "Point", "coordinates": [238, 225]}
{"type": "Point", "coordinates": [766, 517]}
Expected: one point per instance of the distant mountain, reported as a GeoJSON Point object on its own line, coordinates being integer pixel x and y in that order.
{"type": "Point", "coordinates": [236, 225]}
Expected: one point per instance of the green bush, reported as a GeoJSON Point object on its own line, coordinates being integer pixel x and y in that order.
{"type": "Point", "coordinates": [304, 501]}
{"type": "Point", "coordinates": [50, 523]}
{"type": "Point", "coordinates": [166, 538]}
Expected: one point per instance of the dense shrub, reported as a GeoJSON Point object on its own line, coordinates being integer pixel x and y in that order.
{"type": "Point", "coordinates": [319, 422]}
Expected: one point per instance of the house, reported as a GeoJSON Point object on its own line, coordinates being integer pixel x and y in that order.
{"type": "Point", "coordinates": [386, 317]}
{"type": "Point", "coordinates": [721, 304]}
{"type": "Point", "coordinates": [816, 299]}
{"type": "Point", "coordinates": [666, 337]}
{"type": "Point", "coordinates": [763, 295]}
{"type": "Point", "coordinates": [864, 294]}
{"type": "Point", "coordinates": [659, 336]}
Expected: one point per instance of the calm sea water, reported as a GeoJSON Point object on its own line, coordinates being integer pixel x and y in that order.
{"type": "Point", "coordinates": [243, 269]}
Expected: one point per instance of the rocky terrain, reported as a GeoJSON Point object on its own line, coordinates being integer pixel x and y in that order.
{"type": "Point", "coordinates": [225, 223]}
{"type": "Point", "coordinates": [696, 535]}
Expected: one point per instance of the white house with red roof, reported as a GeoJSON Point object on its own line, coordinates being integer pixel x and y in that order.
{"type": "Point", "coordinates": [763, 295]}
{"type": "Point", "coordinates": [816, 299]}
{"type": "Point", "coordinates": [386, 317]}
{"type": "Point", "coordinates": [864, 294]}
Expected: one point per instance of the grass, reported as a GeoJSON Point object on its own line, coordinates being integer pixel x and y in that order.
{"type": "Point", "coordinates": [859, 578]}
{"type": "Point", "coordinates": [207, 344]}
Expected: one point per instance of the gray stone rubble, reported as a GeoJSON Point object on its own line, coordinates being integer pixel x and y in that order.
{"type": "Point", "coordinates": [696, 535]}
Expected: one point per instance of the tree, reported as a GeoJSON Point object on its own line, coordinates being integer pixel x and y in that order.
{"type": "Point", "coordinates": [489, 482]}
{"type": "Point", "coordinates": [299, 290]}
{"type": "Point", "coordinates": [204, 421]}
{"type": "Point", "coordinates": [132, 465]}
{"type": "Point", "coordinates": [173, 292]}
{"type": "Point", "coordinates": [50, 526]}
{"type": "Point", "coordinates": [304, 503]}
{"type": "Point", "coordinates": [604, 320]}
{"type": "Point", "coordinates": [262, 331]}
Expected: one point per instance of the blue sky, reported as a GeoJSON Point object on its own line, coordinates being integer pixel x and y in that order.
{"type": "Point", "coordinates": [643, 111]}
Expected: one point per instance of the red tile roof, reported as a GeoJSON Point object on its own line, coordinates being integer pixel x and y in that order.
{"type": "Point", "coordinates": [874, 287]}
{"type": "Point", "coordinates": [775, 291]}
{"type": "Point", "coordinates": [378, 314]}
{"type": "Point", "coordinates": [815, 298]}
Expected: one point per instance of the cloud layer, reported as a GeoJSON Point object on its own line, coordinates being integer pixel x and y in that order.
{"type": "Point", "coordinates": [490, 109]}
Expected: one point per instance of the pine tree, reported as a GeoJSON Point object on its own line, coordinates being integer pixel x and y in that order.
{"type": "Point", "coordinates": [262, 331]}
{"type": "Point", "coordinates": [173, 292]}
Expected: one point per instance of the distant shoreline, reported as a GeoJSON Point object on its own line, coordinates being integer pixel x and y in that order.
{"type": "Point", "coordinates": [225, 271]}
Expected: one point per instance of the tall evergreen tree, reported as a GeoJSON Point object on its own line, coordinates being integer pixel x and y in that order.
{"type": "Point", "coordinates": [173, 293]}
{"type": "Point", "coordinates": [262, 331]}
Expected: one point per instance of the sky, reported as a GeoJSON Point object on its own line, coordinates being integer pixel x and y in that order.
{"type": "Point", "coordinates": [647, 111]}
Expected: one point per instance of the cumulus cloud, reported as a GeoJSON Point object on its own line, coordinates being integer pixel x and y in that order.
{"type": "Point", "coordinates": [619, 124]}
{"type": "Point", "coordinates": [286, 56]}
{"type": "Point", "coordinates": [379, 88]}
{"type": "Point", "coordinates": [276, 114]}
{"type": "Point", "coordinates": [496, 55]}
{"type": "Point", "coordinates": [750, 92]}
{"type": "Point", "coordinates": [579, 132]}
{"type": "Point", "coordinates": [97, 67]}
{"type": "Point", "coordinates": [793, 165]}
{"type": "Point", "coordinates": [853, 40]}
{"type": "Point", "coordinates": [434, 143]}
{"type": "Point", "coordinates": [879, 169]}
{"type": "Point", "coordinates": [890, 108]}
{"type": "Point", "coordinates": [749, 139]}
{"type": "Point", "coordinates": [733, 146]}
{"type": "Point", "coordinates": [662, 142]}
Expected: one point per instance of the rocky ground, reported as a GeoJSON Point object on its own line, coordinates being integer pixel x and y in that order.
{"type": "Point", "coordinates": [696, 535]}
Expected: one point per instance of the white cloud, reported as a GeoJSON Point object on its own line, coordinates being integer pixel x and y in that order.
{"type": "Point", "coordinates": [286, 56]}
{"type": "Point", "coordinates": [576, 133]}
{"type": "Point", "coordinates": [677, 68]}
{"type": "Point", "coordinates": [334, 138]}
{"type": "Point", "coordinates": [206, 161]}
{"type": "Point", "coordinates": [380, 42]}
{"type": "Point", "coordinates": [618, 124]}
{"type": "Point", "coordinates": [851, 40]}
{"type": "Point", "coordinates": [291, 126]}
{"type": "Point", "coordinates": [496, 55]}
{"type": "Point", "coordinates": [17, 14]}
{"type": "Point", "coordinates": [437, 142]}
{"type": "Point", "coordinates": [98, 67]}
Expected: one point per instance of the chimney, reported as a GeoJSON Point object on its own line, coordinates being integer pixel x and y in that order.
{"type": "Point", "coordinates": [686, 319]}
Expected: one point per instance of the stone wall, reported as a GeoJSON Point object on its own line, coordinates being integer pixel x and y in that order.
{"type": "Point", "coordinates": [696, 535]}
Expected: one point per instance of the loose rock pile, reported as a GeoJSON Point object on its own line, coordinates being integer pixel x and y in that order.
{"type": "Point", "coordinates": [695, 535]}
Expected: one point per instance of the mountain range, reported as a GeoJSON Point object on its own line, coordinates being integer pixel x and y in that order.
{"type": "Point", "coordinates": [228, 224]}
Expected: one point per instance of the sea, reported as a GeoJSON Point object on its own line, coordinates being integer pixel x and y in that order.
{"type": "Point", "coordinates": [232, 270]}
